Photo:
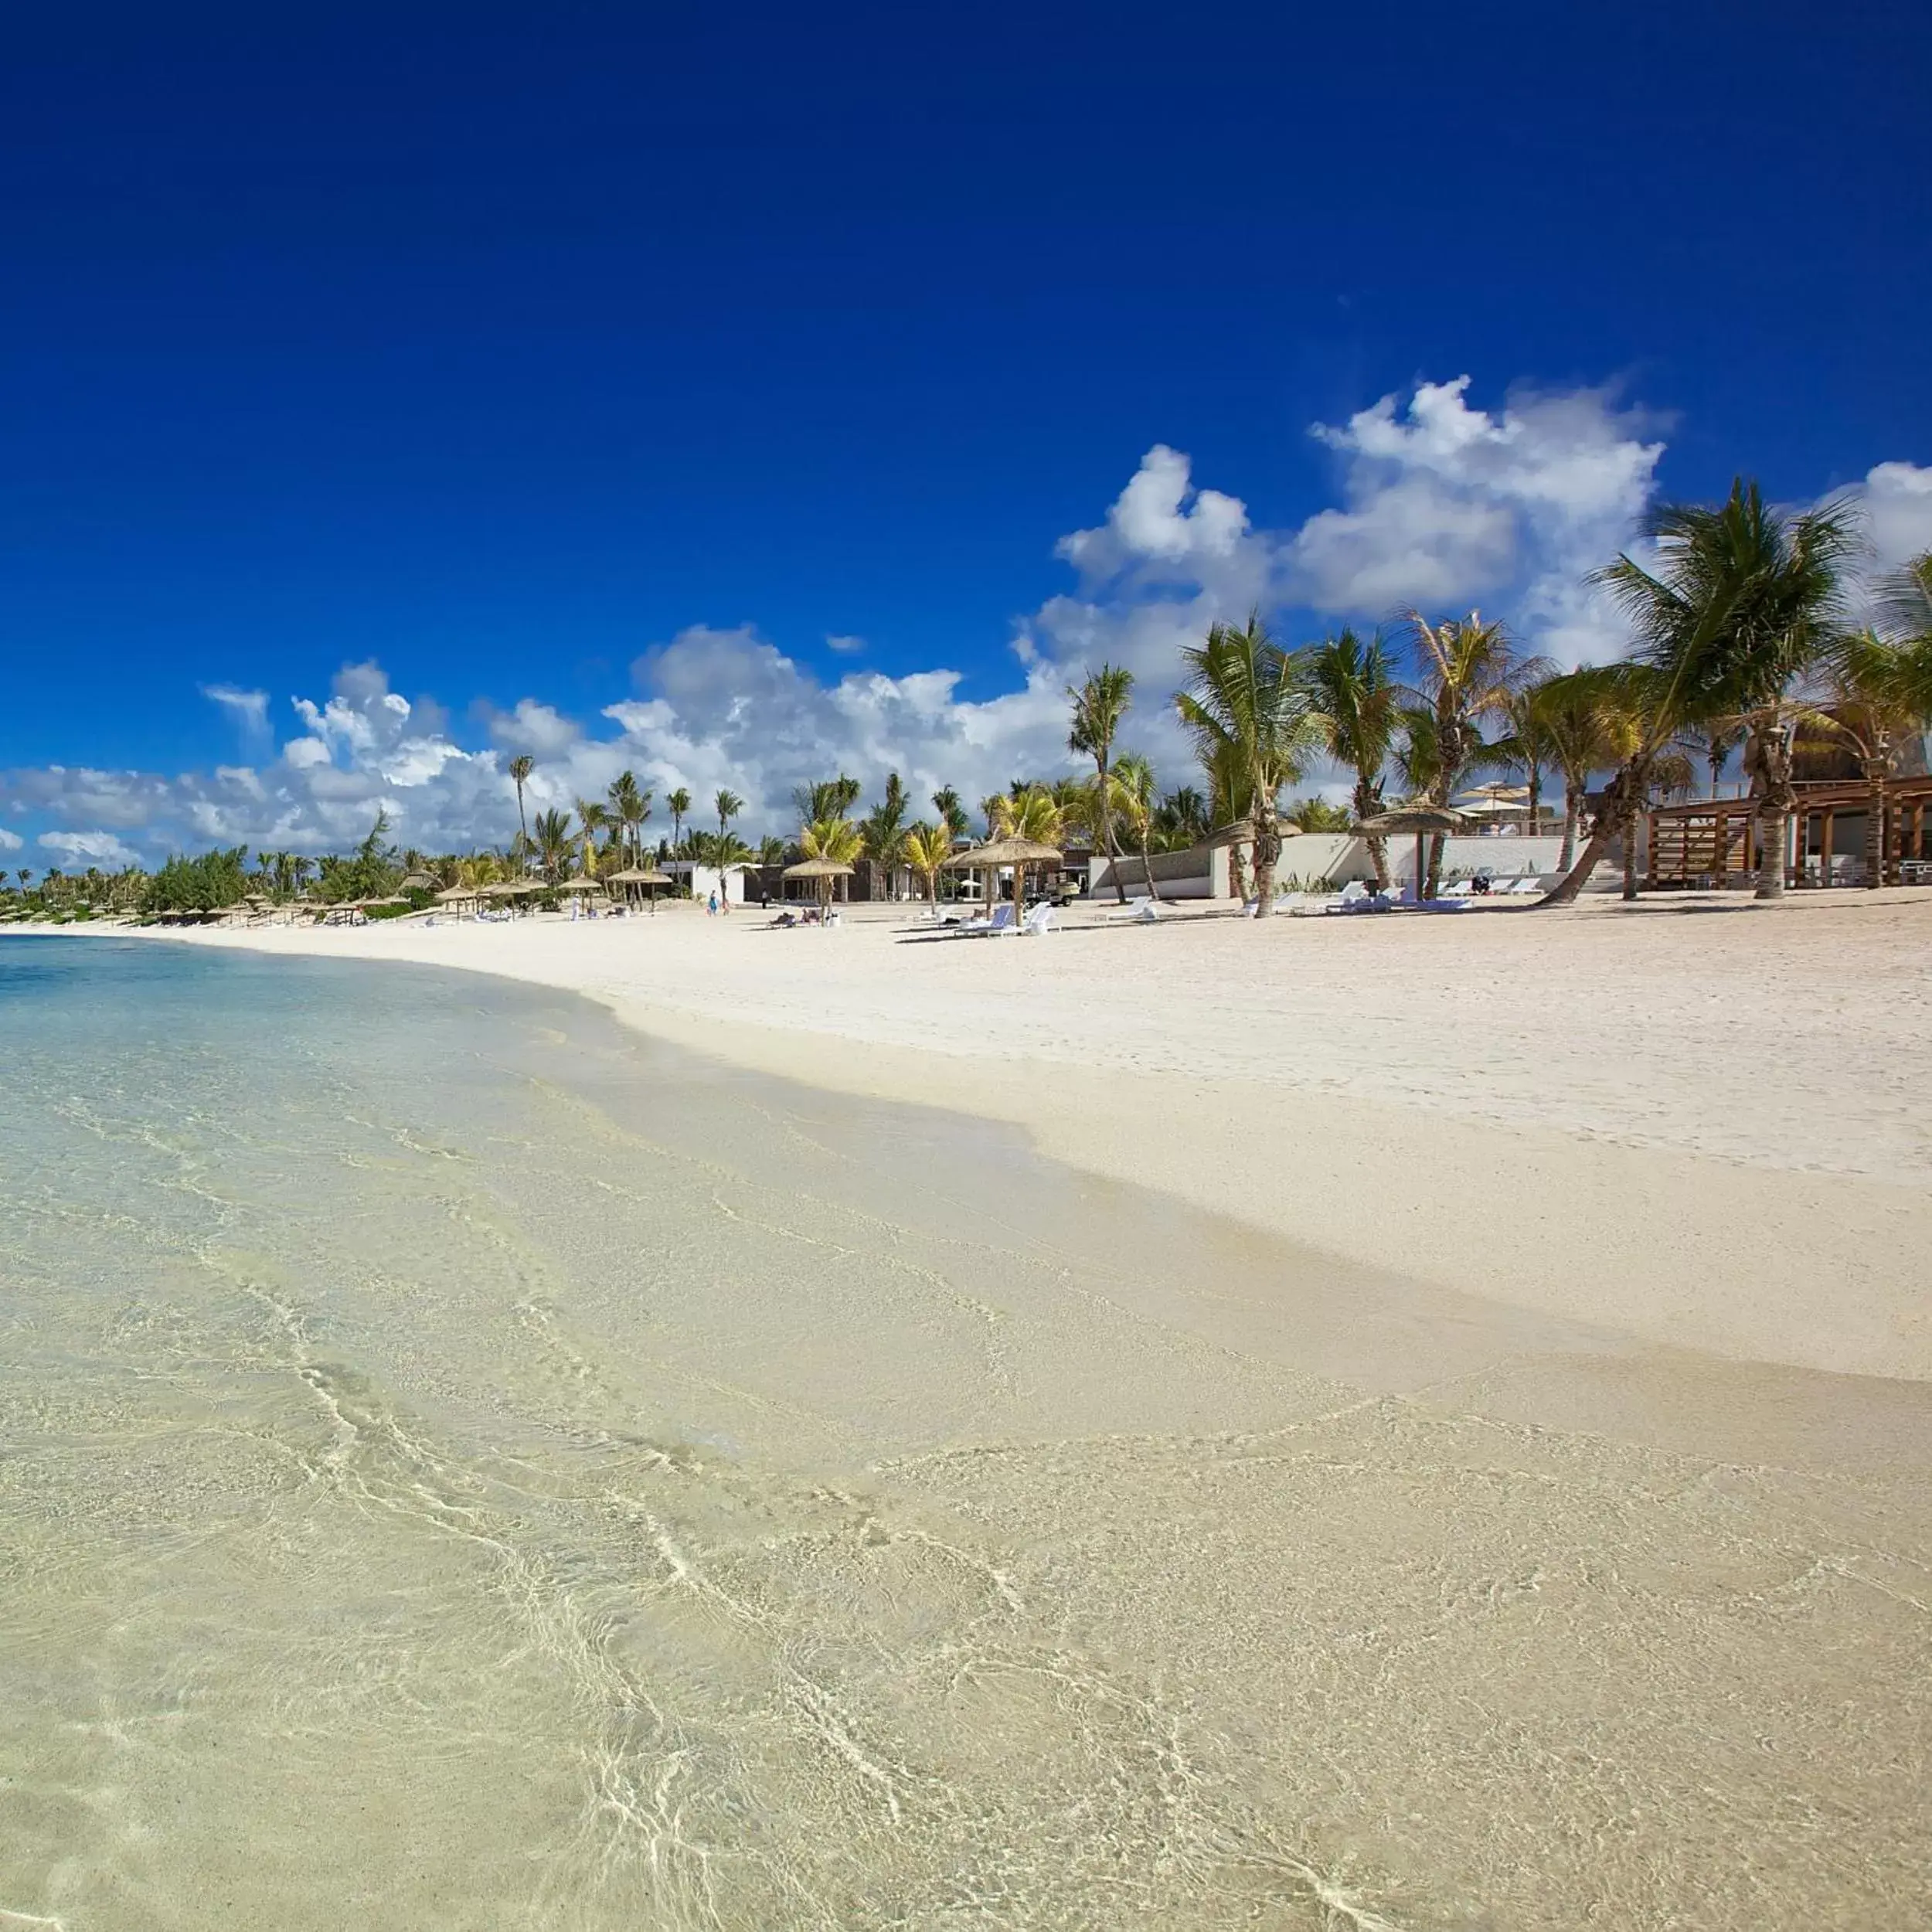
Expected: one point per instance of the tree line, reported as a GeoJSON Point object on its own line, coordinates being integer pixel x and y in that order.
{"type": "Point", "coordinates": [1741, 642]}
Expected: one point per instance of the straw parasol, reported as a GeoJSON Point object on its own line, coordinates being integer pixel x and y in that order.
{"type": "Point", "coordinates": [1423, 821]}
{"type": "Point", "coordinates": [641, 876]}
{"type": "Point", "coordinates": [582, 883]}
{"type": "Point", "coordinates": [1019, 853]}
{"type": "Point", "coordinates": [824, 871]}
{"type": "Point", "coordinates": [456, 895]}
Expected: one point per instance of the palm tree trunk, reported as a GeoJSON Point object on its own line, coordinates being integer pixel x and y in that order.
{"type": "Point", "coordinates": [1535, 797]}
{"type": "Point", "coordinates": [1573, 800]}
{"type": "Point", "coordinates": [1365, 805]}
{"type": "Point", "coordinates": [1875, 829]}
{"type": "Point", "coordinates": [1773, 836]}
{"type": "Point", "coordinates": [1238, 871]}
{"type": "Point", "coordinates": [1106, 828]}
{"type": "Point", "coordinates": [1630, 858]}
{"type": "Point", "coordinates": [1147, 865]}
{"type": "Point", "coordinates": [1435, 866]}
{"type": "Point", "coordinates": [1267, 849]}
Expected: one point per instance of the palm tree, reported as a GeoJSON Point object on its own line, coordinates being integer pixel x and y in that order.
{"type": "Point", "coordinates": [928, 848]}
{"type": "Point", "coordinates": [884, 830]}
{"type": "Point", "coordinates": [520, 769]}
{"type": "Point", "coordinates": [1570, 719]}
{"type": "Point", "coordinates": [552, 840]}
{"type": "Point", "coordinates": [1746, 599]}
{"type": "Point", "coordinates": [1469, 673]}
{"type": "Point", "coordinates": [1035, 815]}
{"type": "Point", "coordinates": [952, 813]}
{"type": "Point", "coordinates": [1353, 687]}
{"type": "Point", "coordinates": [630, 807]}
{"type": "Point", "coordinates": [1905, 602]}
{"type": "Point", "coordinates": [1099, 705]}
{"type": "Point", "coordinates": [727, 804]}
{"type": "Point", "coordinates": [1881, 694]}
{"type": "Point", "coordinates": [1131, 783]}
{"type": "Point", "coordinates": [1624, 717]}
{"type": "Point", "coordinates": [1181, 819]}
{"type": "Point", "coordinates": [593, 817]}
{"type": "Point", "coordinates": [1248, 714]}
{"type": "Point", "coordinates": [834, 839]}
{"type": "Point", "coordinates": [1526, 745]}
{"type": "Point", "coordinates": [679, 803]}
{"type": "Point", "coordinates": [771, 850]}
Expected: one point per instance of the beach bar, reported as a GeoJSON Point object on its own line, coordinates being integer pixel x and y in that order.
{"type": "Point", "coordinates": [1711, 842]}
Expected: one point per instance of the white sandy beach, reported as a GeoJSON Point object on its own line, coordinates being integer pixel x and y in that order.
{"type": "Point", "coordinates": [1699, 1121]}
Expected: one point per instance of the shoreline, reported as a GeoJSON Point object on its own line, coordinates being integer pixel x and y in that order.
{"type": "Point", "coordinates": [1469, 1132]}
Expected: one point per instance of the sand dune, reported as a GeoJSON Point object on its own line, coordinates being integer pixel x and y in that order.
{"type": "Point", "coordinates": [1699, 1121]}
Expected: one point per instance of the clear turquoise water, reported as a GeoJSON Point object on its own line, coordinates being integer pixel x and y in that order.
{"type": "Point", "coordinates": [463, 1466]}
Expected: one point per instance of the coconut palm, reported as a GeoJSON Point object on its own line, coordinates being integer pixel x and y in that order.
{"type": "Point", "coordinates": [727, 804]}
{"type": "Point", "coordinates": [1034, 815]}
{"type": "Point", "coordinates": [592, 816]}
{"type": "Point", "coordinates": [1249, 716]}
{"type": "Point", "coordinates": [1621, 717]}
{"type": "Point", "coordinates": [1099, 703]}
{"type": "Point", "coordinates": [1131, 783]}
{"type": "Point", "coordinates": [1526, 746]}
{"type": "Point", "coordinates": [926, 849]}
{"type": "Point", "coordinates": [520, 770]}
{"type": "Point", "coordinates": [884, 831]}
{"type": "Point", "coordinates": [1570, 719]}
{"type": "Point", "coordinates": [771, 850]}
{"type": "Point", "coordinates": [1353, 688]}
{"type": "Point", "coordinates": [1469, 671]}
{"type": "Point", "coordinates": [952, 813]}
{"type": "Point", "coordinates": [1181, 819]}
{"type": "Point", "coordinates": [629, 808]}
{"type": "Point", "coordinates": [1745, 599]}
{"type": "Point", "coordinates": [1905, 602]}
{"type": "Point", "coordinates": [552, 840]}
{"type": "Point", "coordinates": [678, 804]}
{"type": "Point", "coordinates": [834, 839]}
{"type": "Point", "coordinates": [1880, 695]}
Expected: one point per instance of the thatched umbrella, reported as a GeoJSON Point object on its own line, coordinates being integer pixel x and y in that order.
{"type": "Point", "coordinates": [641, 876]}
{"type": "Point", "coordinates": [1019, 853]}
{"type": "Point", "coordinates": [582, 883]}
{"type": "Point", "coordinates": [824, 871]}
{"type": "Point", "coordinates": [1424, 821]}
{"type": "Point", "coordinates": [418, 882]}
{"type": "Point", "coordinates": [456, 895]}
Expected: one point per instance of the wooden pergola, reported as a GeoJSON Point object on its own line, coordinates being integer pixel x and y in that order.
{"type": "Point", "coordinates": [1714, 841]}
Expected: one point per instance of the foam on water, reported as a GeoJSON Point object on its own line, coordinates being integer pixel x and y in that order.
{"type": "Point", "coordinates": [463, 1466]}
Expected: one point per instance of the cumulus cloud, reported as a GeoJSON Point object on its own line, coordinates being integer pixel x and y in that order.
{"type": "Point", "coordinates": [1443, 504]}
{"type": "Point", "coordinates": [9, 841]}
{"type": "Point", "coordinates": [95, 847]}
{"type": "Point", "coordinates": [1897, 498]}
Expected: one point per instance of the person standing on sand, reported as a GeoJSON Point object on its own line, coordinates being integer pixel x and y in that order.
{"type": "Point", "coordinates": [711, 904]}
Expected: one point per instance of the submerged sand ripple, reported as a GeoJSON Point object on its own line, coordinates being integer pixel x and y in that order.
{"type": "Point", "coordinates": [586, 1489]}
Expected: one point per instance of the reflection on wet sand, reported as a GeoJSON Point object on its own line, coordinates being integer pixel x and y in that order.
{"type": "Point", "coordinates": [501, 1473]}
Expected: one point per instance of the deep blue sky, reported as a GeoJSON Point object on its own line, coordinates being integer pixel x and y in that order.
{"type": "Point", "coordinates": [499, 343]}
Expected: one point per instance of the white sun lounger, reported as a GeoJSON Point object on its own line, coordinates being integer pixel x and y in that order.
{"type": "Point", "coordinates": [1001, 922]}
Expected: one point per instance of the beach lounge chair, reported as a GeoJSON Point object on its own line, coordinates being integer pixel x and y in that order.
{"type": "Point", "coordinates": [1356, 898]}
{"type": "Point", "coordinates": [1039, 920]}
{"type": "Point", "coordinates": [1001, 922]}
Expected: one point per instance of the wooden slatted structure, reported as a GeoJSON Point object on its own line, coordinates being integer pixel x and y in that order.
{"type": "Point", "coordinates": [1711, 841]}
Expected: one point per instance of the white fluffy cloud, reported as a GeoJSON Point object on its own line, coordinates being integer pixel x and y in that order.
{"type": "Point", "coordinates": [1443, 504]}
{"type": "Point", "coordinates": [9, 841]}
{"type": "Point", "coordinates": [1448, 506]}
{"type": "Point", "coordinates": [89, 848]}
{"type": "Point", "coordinates": [1897, 499]}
